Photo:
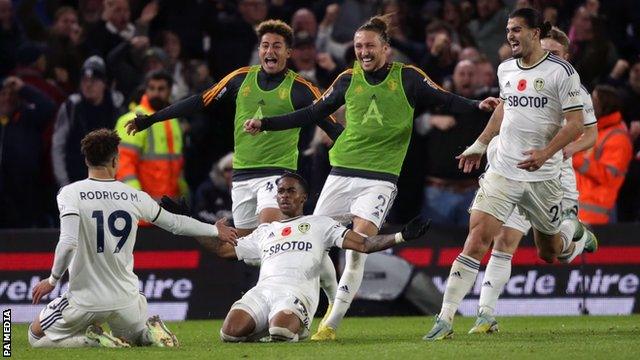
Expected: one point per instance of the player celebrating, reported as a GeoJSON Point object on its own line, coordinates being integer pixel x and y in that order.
{"type": "Point", "coordinates": [265, 90]}
{"type": "Point", "coordinates": [539, 91]}
{"type": "Point", "coordinates": [505, 244]}
{"type": "Point", "coordinates": [98, 223]}
{"type": "Point", "coordinates": [366, 159]}
{"type": "Point", "coordinates": [283, 302]}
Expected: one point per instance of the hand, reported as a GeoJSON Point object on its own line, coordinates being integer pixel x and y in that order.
{"type": "Point", "coordinates": [149, 12]}
{"type": "Point", "coordinates": [441, 42]}
{"type": "Point", "coordinates": [40, 290]}
{"type": "Point", "coordinates": [489, 104]}
{"type": "Point", "coordinates": [471, 157]}
{"type": "Point", "coordinates": [568, 151]}
{"type": "Point", "coordinates": [330, 15]}
{"type": "Point", "coordinates": [180, 207]}
{"type": "Point", "coordinates": [139, 42]}
{"type": "Point", "coordinates": [619, 69]}
{"type": "Point", "coordinates": [415, 228]}
{"type": "Point", "coordinates": [536, 159]}
{"type": "Point", "coordinates": [325, 61]}
{"type": "Point", "coordinates": [226, 233]}
{"type": "Point", "coordinates": [14, 83]}
{"type": "Point", "coordinates": [134, 126]}
{"type": "Point", "coordinates": [252, 126]}
{"type": "Point", "coordinates": [442, 122]}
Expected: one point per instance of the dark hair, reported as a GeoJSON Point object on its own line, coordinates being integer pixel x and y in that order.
{"type": "Point", "coordinates": [159, 75]}
{"type": "Point", "coordinates": [100, 146]}
{"type": "Point", "coordinates": [293, 175]}
{"type": "Point", "coordinates": [63, 10]}
{"type": "Point", "coordinates": [533, 18]}
{"type": "Point", "coordinates": [609, 99]}
{"type": "Point", "coordinates": [560, 36]}
{"type": "Point", "coordinates": [379, 25]}
{"type": "Point", "coordinates": [437, 26]}
{"type": "Point", "coordinates": [276, 27]}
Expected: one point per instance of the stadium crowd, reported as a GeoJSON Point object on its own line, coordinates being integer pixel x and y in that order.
{"type": "Point", "coordinates": [70, 67]}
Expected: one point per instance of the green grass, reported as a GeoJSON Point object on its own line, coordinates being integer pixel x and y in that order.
{"type": "Point", "coordinates": [566, 338]}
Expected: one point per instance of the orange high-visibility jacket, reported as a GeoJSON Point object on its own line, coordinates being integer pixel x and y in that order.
{"type": "Point", "coordinates": [151, 160]}
{"type": "Point", "coordinates": [600, 171]}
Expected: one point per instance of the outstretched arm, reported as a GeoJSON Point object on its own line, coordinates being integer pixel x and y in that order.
{"type": "Point", "coordinates": [411, 231]}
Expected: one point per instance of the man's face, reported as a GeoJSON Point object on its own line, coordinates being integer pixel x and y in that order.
{"type": "Point", "coordinates": [463, 78]}
{"type": "Point", "coordinates": [66, 23]}
{"type": "Point", "coordinates": [520, 37]}
{"type": "Point", "coordinates": [291, 197]}
{"type": "Point", "coordinates": [304, 55]}
{"type": "Point", "coordinates": [158, 92]}
{"type": "Point", "coordinates": [92, 89]}
{"type": "Point", "coordinates": [370, 50]}
{"type": "Point", "coordinates": [485, 75]}
{"type": "Point", "coordinates": [118, 13]}
{"type": "Point", "coordinates": [555, 48]}
{"type": "Point", "coordinates": [486, 8]}
{"type": "Point", "coordinates": [304, 20]}
{"type": "Point", "coordinates": [273, 53]}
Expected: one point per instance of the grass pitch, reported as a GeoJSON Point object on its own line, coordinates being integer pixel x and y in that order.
{"type": "Point", "coordinates": [589, 337]}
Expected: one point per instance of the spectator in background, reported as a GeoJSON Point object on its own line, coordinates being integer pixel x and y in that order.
{"type": "Point", "coordinates": [11, 37]}
{"type": "Point", "coordinates": [116, 26]}
{"type": "Point", "coordinates": [95, 106]}
{"type": "Point", "coordinates": [448, 191]}
{"type": "Point", "coordinates": [213, 197]}
{"type": "Point", "coordinates": [303, 20]}
{"type": "Point", "coordinates": [320, 69]}
{"type": "Point", "coordinates": [485, 78]}
{"type": "Point", "coordinates": [452, 15]}
{"type": "Point", "coordinates": [152, 160]}
{"type": "Point", "coordinates": [24, 112]}
{"type": "Point", "coordinates": [600, 170]}
{"type": "Point", "coordinates": [592, 54]}
{"type": "Point", "coordinates": [64, 58]}
{"type": "Point", "coordinates": [172, 46]}
{"type": "Point", "coordinates": [227, 53]}
{"type": "Point", "coordinates": [130, 61]}
{"type": "Point", "coordinates": [488, 29]}
{"type": "Point", "coordinates": [31, 68]}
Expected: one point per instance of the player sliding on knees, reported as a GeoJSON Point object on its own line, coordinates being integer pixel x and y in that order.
{"type": "Point", "coordinates": [98, 224]}
{"type": "Point", "coordinates": [380, 99]}
{"type": "Point", "coordinates": [516, 227]}
{"type": "Point", "coordinates": [282, 304]}
{"type": "Point", "coordinates": [524, 169]}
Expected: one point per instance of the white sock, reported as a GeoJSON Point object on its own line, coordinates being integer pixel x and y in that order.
{"type": "Point", "coordinates": [70, 342]}
{"type": "Point", "coordinates": [328, 281]}
{"type": "Point", "coordinates": [496, 276]}
{"type": "Point", "coordinates": [461, 278]}
{"type": "Point", "coordinates": [348, 287]}
{"type": "Point", "coordinates": [567, 229]}
{"type": "Point", "coordinates": [577, 250]}
{"type": "Point", "coordinates": [228, 338]}
{"type": "Point", "coordinates": [282, 334]}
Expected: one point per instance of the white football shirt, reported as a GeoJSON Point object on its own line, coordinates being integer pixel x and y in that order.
{"type": "Point", "coordinates": [535, 101]}
{"type": "Point", "coordinates": [101, 274]}
{"type": "Point", "coordinates": [291, 252]}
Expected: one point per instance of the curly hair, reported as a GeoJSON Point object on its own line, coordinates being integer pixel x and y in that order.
{"type": "Point", "coordinates": [100, 146]}
{"type": "Point", "coordinates": [276, 27]}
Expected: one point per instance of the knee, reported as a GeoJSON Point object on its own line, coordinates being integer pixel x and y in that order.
{"type": "Point", "coordinates": [224, 337]}
{"type": "Point", "coordinates": [231, 330]}
{"type": "Point", "coordinates": [282, 334]}
{"type": "Point", "coordinates": [546, 256]}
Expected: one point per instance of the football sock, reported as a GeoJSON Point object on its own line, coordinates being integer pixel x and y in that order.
{"type": "Point", "coordinates": [348, 287]}
{"type": "Point", "coordinates": [328, 281]}
{"type": "Point", "coordinates": [461, 278]}
{"type": "Point", "coordinates": [496, 276]}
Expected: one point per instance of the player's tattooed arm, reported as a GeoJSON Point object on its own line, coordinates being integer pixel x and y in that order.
{"type": "Point", "coordinates": [493, 126]}
{"type": "Point", "coordinates": [411, 231]}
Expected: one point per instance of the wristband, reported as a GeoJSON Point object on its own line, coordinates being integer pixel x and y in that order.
{"type": "Point", "coordinates": [53, 281]}
{"type": "Point", "coordinates": [476, 148]}
{"type": "Point", "coordinates": [399, 238]}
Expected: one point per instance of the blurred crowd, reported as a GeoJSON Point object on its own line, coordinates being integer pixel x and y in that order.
{"type": "Point", "coordinates": [69, 67]}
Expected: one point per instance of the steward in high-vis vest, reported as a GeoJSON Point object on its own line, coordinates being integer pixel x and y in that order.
{"type": "Point", "coordinates": [267, 89]}
{"type": "Point", "coordinates": [600, 171]}
{"type": "Point", "coordinates": [152, 160]}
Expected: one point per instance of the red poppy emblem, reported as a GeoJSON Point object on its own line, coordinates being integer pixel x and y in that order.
{"type": "Point", "coordinates": [286, 231]}
{"type": "Point", "coordinates": [522, 84]}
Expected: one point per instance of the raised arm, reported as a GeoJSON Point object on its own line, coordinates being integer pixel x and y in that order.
{"type": "Point", "coordinates": [189, 105]}
{"type": "Point", "coordinates": [330, 101]}
{"type": "Point", "coordinates": [411, 231]}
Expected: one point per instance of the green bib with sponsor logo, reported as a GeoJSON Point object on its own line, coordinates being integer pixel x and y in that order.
{"type": "Point", "coordinates": [267, 148]}
{"type": "Point", "coordinates": [379, 124]}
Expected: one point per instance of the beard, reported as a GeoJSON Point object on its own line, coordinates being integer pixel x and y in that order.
{"type": "Point", "coordinates": [158, 104]}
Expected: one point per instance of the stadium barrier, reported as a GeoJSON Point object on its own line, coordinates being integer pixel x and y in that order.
{"type": "Point", "coordinates": [182, 282]}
